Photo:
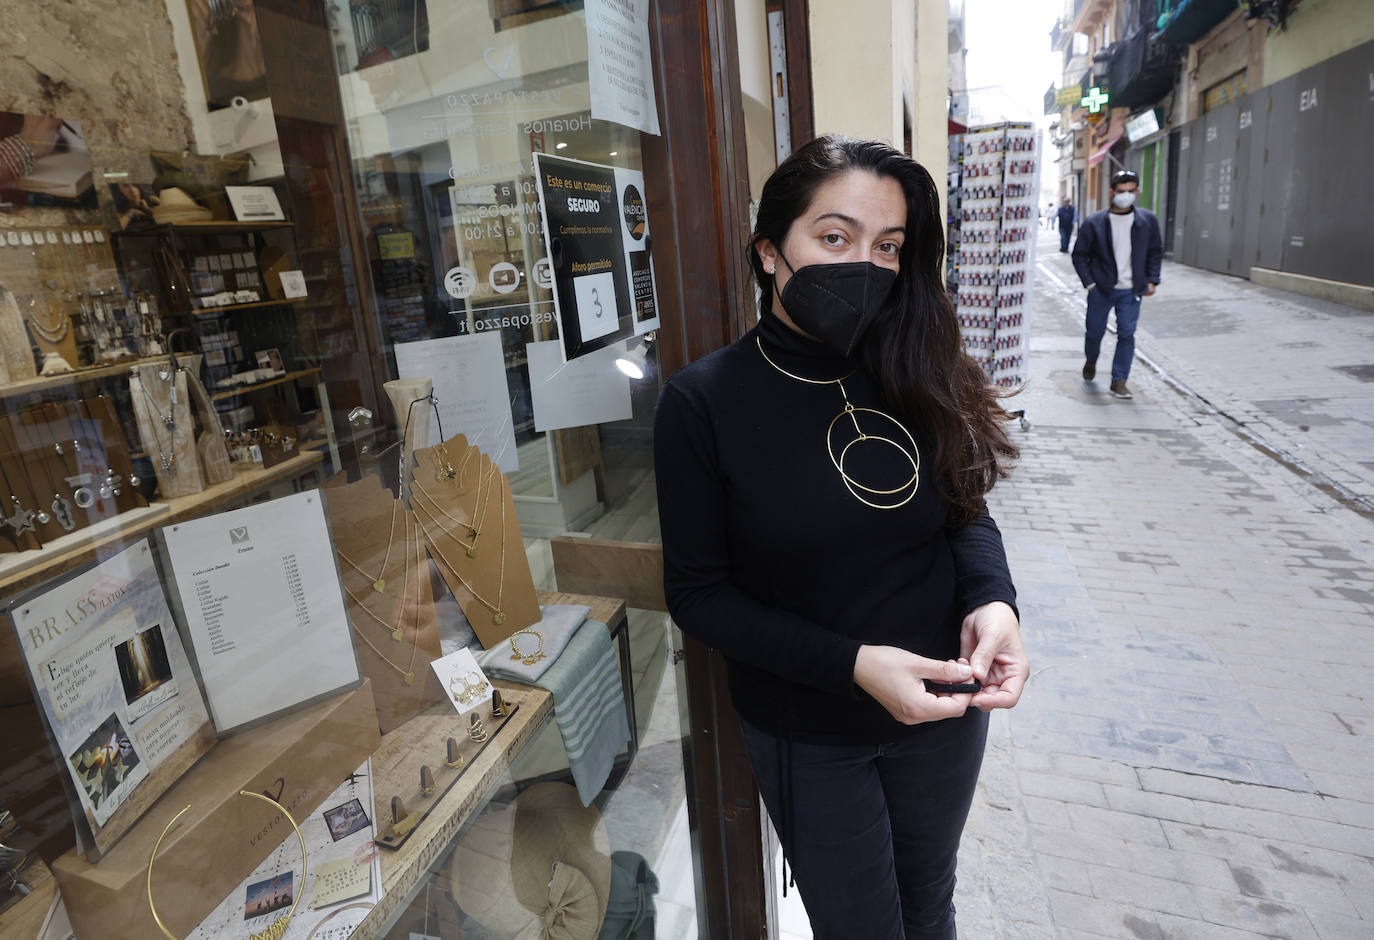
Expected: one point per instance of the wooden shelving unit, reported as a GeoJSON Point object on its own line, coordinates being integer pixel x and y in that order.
{"type": "Point", "coordinates": [46, 382]}
{"type": "Point", "coordinates": [48, 563]}
{"type": "Point", "coordinates": [242, 389]}
{"type": "Point", "coordinates": [235, 308]}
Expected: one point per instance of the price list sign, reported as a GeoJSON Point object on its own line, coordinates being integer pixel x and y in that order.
{"type": "Point", "coordinates": [264, 613]}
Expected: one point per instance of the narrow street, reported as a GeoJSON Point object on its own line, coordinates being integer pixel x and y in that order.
{"type": "Point", "coordinates": [1191, 757]}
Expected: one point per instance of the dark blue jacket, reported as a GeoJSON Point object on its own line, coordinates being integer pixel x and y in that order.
{"type": "Point", "coordinates": [1095, 260]}
{"type": "Point", "coordinates": [1066, 216]}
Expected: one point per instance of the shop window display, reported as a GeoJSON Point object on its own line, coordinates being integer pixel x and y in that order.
{"type": "Point", "coordinates": [300, 381]}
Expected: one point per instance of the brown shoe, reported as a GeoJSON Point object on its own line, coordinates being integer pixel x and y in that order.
{"type": "Point", "coordinates": [1120, 390]}
{"type": "Point", "coordinates": [1089, 371]}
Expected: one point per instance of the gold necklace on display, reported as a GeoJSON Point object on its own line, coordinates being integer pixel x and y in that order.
{"type": "Point", "coordinates": [408, 673]}
{"type": "Point", "coordinates": [278, 927]}
{"type": "Point", "coordinates": [850, 411]}
{"type": "Point", "coordinates": [475, 527]}
{"type": "Point", "coordinates": [498, 615]}
{"type": "Point", "coordinates": [379, 582]}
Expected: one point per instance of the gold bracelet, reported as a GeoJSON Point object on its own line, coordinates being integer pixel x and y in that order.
{"type": "Point", "coordinates": [529, 659]}
{"type": "Point", "coordinates": [278, 927]}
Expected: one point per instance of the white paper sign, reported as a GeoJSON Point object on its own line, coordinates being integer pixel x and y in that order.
{"type": "Point", "coordinates": [586, 390]}
{"type": "Point", "coordinates": [619, 69]}
{"type": "Point", "coordinates": [254, 203]}
{"type": "Point", "coordinates": [293, 284]}
{"type": "Point", "coordinates": [263, 607]}
{"type": "Point", "coordinates": [462, 680]}
{"type": "Point", "coordinates": [469, 376]}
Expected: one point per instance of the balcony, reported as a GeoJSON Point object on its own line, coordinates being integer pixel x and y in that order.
{"type": "Point", "coordinates": [1089, 14]}
{"type": "Point", "coordinates": [1061, 36]}
{"type": "Point", "coordinates": [1141, 70]}
{"type": "Point", "coordinates": [1187, 21]}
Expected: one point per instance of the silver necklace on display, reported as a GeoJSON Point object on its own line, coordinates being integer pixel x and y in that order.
{"type": "Point", "coordinates": [53, 334]}
{"type": "Point", "coordinates": [166, 458]}
{"type": "Point", "coordinates": [22, 520]}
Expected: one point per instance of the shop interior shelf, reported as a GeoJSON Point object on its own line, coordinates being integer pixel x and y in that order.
{"type": "Point", "coordinates": [31, 568]}
{"type": "Point", "coordinates": [234, 308]}
{"type": "Point", "coordinates": [45, 382]}
{"type": "Point", "coordinates": [206, 228]}
{"type": "Point", "coordinates": [241, 389]}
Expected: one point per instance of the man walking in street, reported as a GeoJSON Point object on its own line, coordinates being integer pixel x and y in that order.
{"type": "Point", "coordinates": [1066, 216]}
{"type": "Point", "coordinates": [1118, 257]}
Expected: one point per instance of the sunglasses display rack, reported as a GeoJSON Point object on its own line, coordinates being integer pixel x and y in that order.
{"type": "Point", "coordinates": [993, 181]}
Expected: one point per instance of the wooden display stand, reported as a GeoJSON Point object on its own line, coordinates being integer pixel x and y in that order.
{"type": "Point", "coordinates": [395, 769]}
{"type": "Point", "coordinates": [395, 630]}
{"type": "Point", "coordinates": [25, 918]}
{"type": "Point", "coordinates": [488, 572]}
{"type": "Point", "coordinates": [298, 760]}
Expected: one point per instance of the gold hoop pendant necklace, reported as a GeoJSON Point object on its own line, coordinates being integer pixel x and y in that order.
{"type": "Point", "coordinates": [278, 927]}
{"type": "Point", "coordinates": [900, 495]}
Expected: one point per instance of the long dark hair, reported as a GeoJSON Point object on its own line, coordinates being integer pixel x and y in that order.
{"type": "Point", "coordinates": [913, 350]}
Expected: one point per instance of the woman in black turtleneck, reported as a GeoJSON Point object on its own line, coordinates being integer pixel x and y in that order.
{"type": "Point", "coordinates": [820, 490]}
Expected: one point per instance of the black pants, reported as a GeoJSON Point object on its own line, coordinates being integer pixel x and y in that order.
{"type": "Point", "coordinates": [1064, 234]}
{"type": "Point", "coordinates": [872, 831]}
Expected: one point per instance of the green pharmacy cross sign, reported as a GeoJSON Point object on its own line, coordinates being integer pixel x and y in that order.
{"type": "Point", "coordinates": [1095, 99]}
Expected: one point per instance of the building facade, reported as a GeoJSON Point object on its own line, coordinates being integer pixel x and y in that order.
{"type": "Point", "coordinates": [1240, 121]}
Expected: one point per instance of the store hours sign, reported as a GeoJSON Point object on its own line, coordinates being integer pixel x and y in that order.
{"type": "Point", "coordinates": [597, 230]}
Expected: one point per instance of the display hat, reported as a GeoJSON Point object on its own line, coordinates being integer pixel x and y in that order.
{"type": "Point", "coordinates": [175, 205]}
{"type": "Point", "coordinates": [538, 867]}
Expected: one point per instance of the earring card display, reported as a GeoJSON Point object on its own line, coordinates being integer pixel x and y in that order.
{"type": "Point", "coordinates": [116, 690]}
{"type": "Point", "coordinates": [298, 760]}
{"type": "Point", "coordinates": [385, 574]}
{"type": "Point", "coordinates": [464, 505]}
{"type": "Point", "coordinates": [993, 210]}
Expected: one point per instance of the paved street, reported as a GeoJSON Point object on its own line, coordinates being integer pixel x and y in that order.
{"type": "Point", "coordinates": [1191, 758]}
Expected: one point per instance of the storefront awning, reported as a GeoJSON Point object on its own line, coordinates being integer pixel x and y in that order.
{"type": "Point", "coordinates": [1101, 152]}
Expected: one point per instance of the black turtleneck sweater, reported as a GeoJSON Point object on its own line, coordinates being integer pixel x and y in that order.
{"type": "Point", "coordinates": [769, 559]}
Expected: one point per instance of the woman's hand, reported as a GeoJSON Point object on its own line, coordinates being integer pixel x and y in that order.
{"type": "Point", "coordinates": [893, 677]}
{"type": "Point", "coordinates": [40, 133]}
{"type": "Point", "coordinates": [991, 642]}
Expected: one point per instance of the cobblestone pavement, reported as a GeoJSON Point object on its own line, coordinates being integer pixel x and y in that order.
{"type": "Point", "coordinates": [1191, 758]}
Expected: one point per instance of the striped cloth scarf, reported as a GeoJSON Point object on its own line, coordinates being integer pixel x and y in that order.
{"type": "Point", "coordinates": [588, 703]}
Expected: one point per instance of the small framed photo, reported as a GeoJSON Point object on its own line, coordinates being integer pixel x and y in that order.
{"type": "Point", "coordinates": [271, 359]}
{"type": "Point", "coordinates": [255, 203]}
{"type": "Point", "coordinates": [345, 820]}
{"type": "Point", "coordinates": [293, 284]}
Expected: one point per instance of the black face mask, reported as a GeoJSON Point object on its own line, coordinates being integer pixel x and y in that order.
{"type": "Point", "coordinates": [836, 303]}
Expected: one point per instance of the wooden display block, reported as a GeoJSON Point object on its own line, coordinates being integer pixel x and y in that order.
{"type": "Point", "coordinates": [395, 769]}
{"type": "Point", "coordinates": [298, 760]}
